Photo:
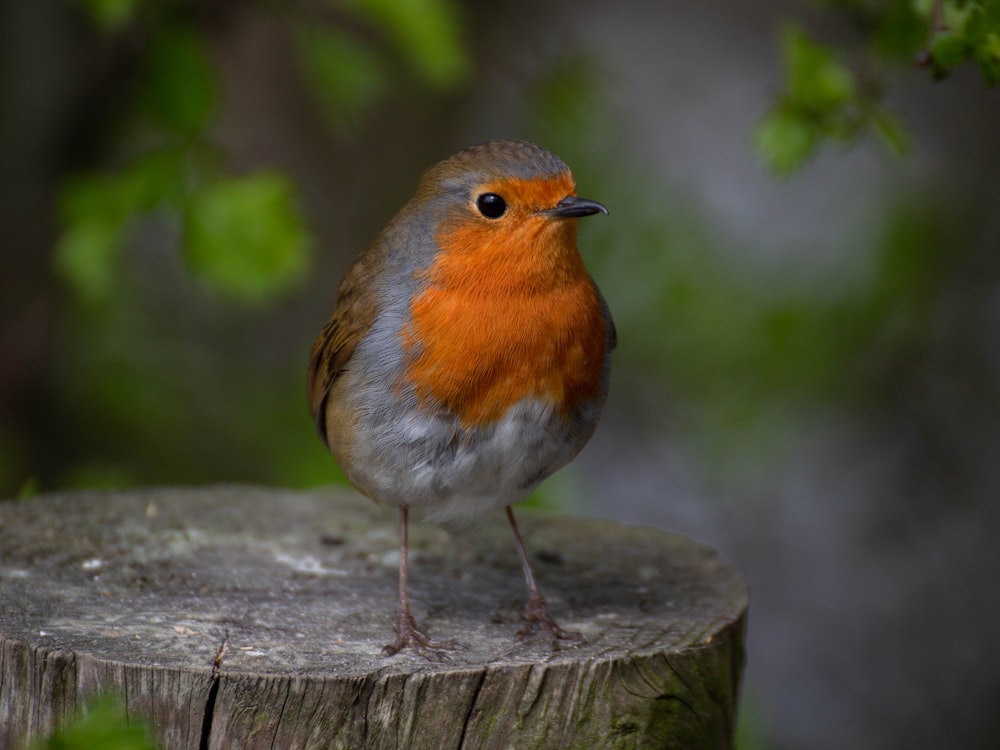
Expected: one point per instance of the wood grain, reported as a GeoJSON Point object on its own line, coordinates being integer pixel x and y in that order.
{"type": "Point", "coordinates": [246, 617]}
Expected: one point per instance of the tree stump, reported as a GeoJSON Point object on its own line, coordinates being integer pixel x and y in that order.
{"type": "Point", "coordinates": [245, 617]}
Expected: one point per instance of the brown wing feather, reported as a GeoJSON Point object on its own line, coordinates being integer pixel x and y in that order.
{"type": "Point", "coordinates": [353, 316]}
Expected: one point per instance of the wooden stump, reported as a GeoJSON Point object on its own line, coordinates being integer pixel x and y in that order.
{"type": "Point", "coordinates": [244, 617]}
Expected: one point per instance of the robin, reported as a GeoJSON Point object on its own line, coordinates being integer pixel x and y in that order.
{"type": "Point", "coordinates": [468, 355]}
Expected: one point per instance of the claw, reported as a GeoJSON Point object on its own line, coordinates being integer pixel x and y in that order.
{"type": "Point", "coordinates": [407, 636]}
{"type": "Point", "coordinates": [536, 615]}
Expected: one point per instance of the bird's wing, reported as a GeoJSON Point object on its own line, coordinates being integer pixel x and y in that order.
{"type": "Point", "coordinates": [354, 315]}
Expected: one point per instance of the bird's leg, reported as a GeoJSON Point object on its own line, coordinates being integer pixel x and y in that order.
{"type": "Point", "coordinates": [536, 611]}
{"type": "Point", "coordinates": [406, 627]}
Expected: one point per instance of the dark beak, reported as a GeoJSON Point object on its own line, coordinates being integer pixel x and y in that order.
{"type": "Point", "coordinates": [572, 207]}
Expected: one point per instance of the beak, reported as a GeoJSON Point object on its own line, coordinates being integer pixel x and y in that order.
{"type": "Point", "coordinates": [572, 207]}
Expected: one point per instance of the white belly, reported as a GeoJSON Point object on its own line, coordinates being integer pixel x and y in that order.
{"type": "Point", "coordinates": [421, 461]}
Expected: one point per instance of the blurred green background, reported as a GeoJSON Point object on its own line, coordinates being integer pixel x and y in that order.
{"type": "Point", "coordinates": [801, 258]}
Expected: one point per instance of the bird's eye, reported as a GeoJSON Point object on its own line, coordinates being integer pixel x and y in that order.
{"type": "Point", "coordinates": [491, 205]}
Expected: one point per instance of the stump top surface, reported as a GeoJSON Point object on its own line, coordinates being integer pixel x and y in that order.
{"type": "Point", "coordinates": [306, 582]}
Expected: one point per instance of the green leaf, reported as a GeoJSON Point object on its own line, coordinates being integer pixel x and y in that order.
{"type": "Point", "coordinates": [902, 31]}
{"type": "Point", "coordinates": [103, 726]}
{"type": "Point", "coordinates": [954, 14]}
{"type": "Point", "coordinates": [95, 210]}
{"type": "Point", "coordinates": [109, 198]}
{"type": "Point", "coordinates": [976, 26]}
{"type": "Point", "coordinates": [973, 32]}
{"type": "Point", "coordinates": [85, 257]}
{"type": "Point", "coordinates": [179, 88]}
{"type": "Point", "coordinates": [426, 32]}
{"type": "Point", "coordinates": [157, 179]}
{"type": "Point", "coordinates": [987, 56]}
{"type": "Point", "coordinates": [950, 50]}
{"type": "Point", "coordinates": [345, 75]}
{"type": "Point", "coordinates": [815, 79]}
{"type": "Point", "coordinates": [246, 237]}
{"type": "Point", "coordinates": [784, 141]}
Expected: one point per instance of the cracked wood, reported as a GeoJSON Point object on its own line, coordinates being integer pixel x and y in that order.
{"type": "Point", "coordinates": [244, 617]}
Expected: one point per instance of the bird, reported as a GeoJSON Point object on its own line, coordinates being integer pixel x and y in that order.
{"type": "Point", "coordinates": [468, 355]}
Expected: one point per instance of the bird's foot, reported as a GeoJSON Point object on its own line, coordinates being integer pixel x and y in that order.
{"type": "Point", "coordinates": [407, 636]}
{"type": "Point", "coordinates": [536, 616]}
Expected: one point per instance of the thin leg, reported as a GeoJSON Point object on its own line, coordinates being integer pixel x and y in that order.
{"type": "Point", "coordinates": [536, 611]}
{"type": "Point", "coordinates": [406, 627]}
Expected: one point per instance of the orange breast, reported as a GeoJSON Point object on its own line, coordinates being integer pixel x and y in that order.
{"type": "Point", "coordinates": [506, 314]}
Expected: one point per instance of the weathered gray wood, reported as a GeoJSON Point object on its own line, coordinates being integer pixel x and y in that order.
{"type": "Point", "coordinates": [136, 593]}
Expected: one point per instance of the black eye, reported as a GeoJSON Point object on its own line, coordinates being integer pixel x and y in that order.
{"type": "Point", "coordinates": [491, 205]}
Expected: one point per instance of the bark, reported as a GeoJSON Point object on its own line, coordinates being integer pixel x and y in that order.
{"type": "Point", "coordinates": [244, 617]}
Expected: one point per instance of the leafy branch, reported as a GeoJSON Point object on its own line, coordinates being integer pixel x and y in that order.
{"type": "Point", "coordinates": [825, 99]}
{"type": "Point", "coordinates": [243, 235]}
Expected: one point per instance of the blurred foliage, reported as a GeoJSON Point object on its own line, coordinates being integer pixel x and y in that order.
{"type": "Point", "coordinates": [179, 89]}
{"type": "Point", "coordinates": [963, 31]}
{"type": "Point", "coordinates": [245, 237]}
{"type": "Point", "coordinates": [153, 406]}
{"type": "Point", "coordinates": [346, 75]}
{"type": "Point", "coordinates": [736, 363]}
{"type": "Point", "coordinates": [822, 100]}
{"type": "Point", "coordinates": [426, 32]}
{"type": "Point", "coordinates": [744, 363]}
{"type": "Point", "coordinates": [138, 389]}
{"type": "Point", "coordinates": [165, 239]}
{"type": "Point", "coordinates": [826, 100]}
{"type": "Point", "coordinates": [242, 234]}
{"type": "Point", "coordinates": [102, 726]}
